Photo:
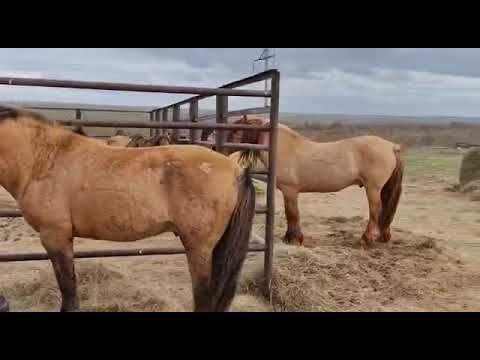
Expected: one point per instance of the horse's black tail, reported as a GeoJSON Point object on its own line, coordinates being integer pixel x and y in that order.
{"type": "Point", "coordinates": [230, 252]}
{"type": "Point", "coordinates": [391, 192]}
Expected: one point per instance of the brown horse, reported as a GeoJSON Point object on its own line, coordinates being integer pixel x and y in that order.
{"type": "Point", "coordinates": [67, 186]}
{"type": "Point", "coordinates": [306, 166]}
{"type": "Point", "coordinates": [139, 140]}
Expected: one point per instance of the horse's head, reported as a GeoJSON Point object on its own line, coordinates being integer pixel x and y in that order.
{"type": "Point", "coordinates": [165, 139]}
{"type": "Point", "coordinates": [248, 137]}
{"type": "Point", "coordinates": [160, 140]}
{"type": "Point", "coordinates": [118, 140]}
{"type": "Point", "coordinates": [121, 132]}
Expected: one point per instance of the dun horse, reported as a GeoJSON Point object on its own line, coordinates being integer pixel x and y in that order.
{"type": "Point", "coordinates": [306, 166]}
{"type": "Point", "coordinates": [68, 185]}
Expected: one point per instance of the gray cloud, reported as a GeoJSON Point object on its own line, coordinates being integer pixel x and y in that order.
{"type": "Point", "coordinates": [378, 81]}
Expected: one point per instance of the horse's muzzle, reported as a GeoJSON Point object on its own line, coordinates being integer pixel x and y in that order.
{"type": "Point", "coordinates": [4, 304]}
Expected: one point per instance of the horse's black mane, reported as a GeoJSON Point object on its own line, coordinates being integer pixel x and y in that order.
{"type": "Point", "coordinates": [16, 113]}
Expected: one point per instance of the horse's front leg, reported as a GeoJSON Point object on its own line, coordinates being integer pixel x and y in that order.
{"type": "Point", "coordinates": [294, 233]}
{"type": "Point", "coordinates": [59, 245]}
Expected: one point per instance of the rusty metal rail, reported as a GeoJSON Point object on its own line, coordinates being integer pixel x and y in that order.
{"type": "Point", "coordinates": [95, 85]}
{"type": "Point", "coordinates": [160, 125]}
{"type": "Point", "coordinates": [233, 113]}
{"type": "Point", "coordinates": [108, 253]}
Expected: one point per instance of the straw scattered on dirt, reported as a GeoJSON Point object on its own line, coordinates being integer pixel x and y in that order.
{"type": "Point", "coordinates": [410, 274]}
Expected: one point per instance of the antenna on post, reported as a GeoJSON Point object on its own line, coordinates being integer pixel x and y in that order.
{"type": "Point", "coordinates": [265, 56]}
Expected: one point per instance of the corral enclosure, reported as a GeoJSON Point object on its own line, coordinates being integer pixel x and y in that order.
{"type": "Point", "coordinates": [432, 263]}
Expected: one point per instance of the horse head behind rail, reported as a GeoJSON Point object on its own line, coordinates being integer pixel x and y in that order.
{"type": "Point", "coordinates": [255, 137]}
{"type": "Point", "coordinates": [139, 140]}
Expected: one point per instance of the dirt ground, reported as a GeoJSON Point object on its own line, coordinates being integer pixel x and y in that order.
{"type": "Point", "coordinates": [431, 264]}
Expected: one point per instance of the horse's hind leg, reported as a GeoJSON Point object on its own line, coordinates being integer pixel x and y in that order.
{"type": "Point", "coordinates": [59, 246]}
{"type": "Point", "coordinates": [372, 232]}
{"type": "Point", "coordinates": [4, 307]}
{"type": "Point", "coordinates": [386, 235]}
{"type": "Point", "coordinates": [199, 265]}
{"type": "Point", "coordinates": [294, 232]}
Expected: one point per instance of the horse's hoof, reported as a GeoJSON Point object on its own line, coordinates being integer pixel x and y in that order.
{"type": "Point", "coordinates": [293, 241]}
{"type": "Point", "coordinates": [293, 237]}
{"type": "Point", "coordinates": [365, 244]}
{"type": "Point", "coordinates": [4, 307]}
{"type": "Point", "coordinates": [385, 237]}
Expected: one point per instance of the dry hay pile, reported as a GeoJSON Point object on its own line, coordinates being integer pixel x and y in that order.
{"type": "Point", "coordinates": [469, 177]}
{"type": "Point", "coordinates": [470, 167]}
{"type": "Point", "coordinates": [413, 273]}
{"type": "Point", "coordinates": [100, 289]}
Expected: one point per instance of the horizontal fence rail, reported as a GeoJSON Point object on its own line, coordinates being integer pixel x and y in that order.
{"type": "Point", "coordinates": [14, 213]}
{"type": "Point", "coordinates": [109, 253]}
{"type": "Point", "coordinates": [90, 85]}
{"type": "Point", "coordinates": [233, 113]}
{"type": "Point", "coordinates": [10, 213]}
{"type": "Point", "coordinates": [48, 108]}
{"type": "Point", "coordinates": [162, 125]}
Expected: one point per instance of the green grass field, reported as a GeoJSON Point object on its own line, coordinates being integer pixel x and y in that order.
{"type": "Point", "coordinates": [433, 164]}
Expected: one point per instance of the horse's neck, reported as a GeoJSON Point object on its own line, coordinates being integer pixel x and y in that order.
{"type": "Point", "coordinates": [17, 159]}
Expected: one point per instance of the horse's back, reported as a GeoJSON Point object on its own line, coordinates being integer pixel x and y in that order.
{"type": "Point", "coordinates": [132, 193]}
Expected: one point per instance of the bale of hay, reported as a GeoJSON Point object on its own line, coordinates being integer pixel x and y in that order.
{"type": "Point", "coordinates": [471, 187]}
{"type": "Point", "coordinates": [470, 167]}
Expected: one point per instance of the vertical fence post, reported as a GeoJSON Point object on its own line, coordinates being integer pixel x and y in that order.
{"type": "Point", "coordinates": [193, 116]}
{"type": "Point", "coordinates": [222, 110]}
{"type": "Point", "coordinates": [151, 120]}
{"type": "Point", "coordinates": [165, 119]}
{"type": "Point", "coordinates": [157, 119]}
{"type": "Point", "coordinates": [176, 118]}
{"type": "Point", "coordinates": [272, 178]}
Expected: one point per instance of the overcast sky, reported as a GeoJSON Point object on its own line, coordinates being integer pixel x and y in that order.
{"type": "Point", "coordinates": [347, 81]}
